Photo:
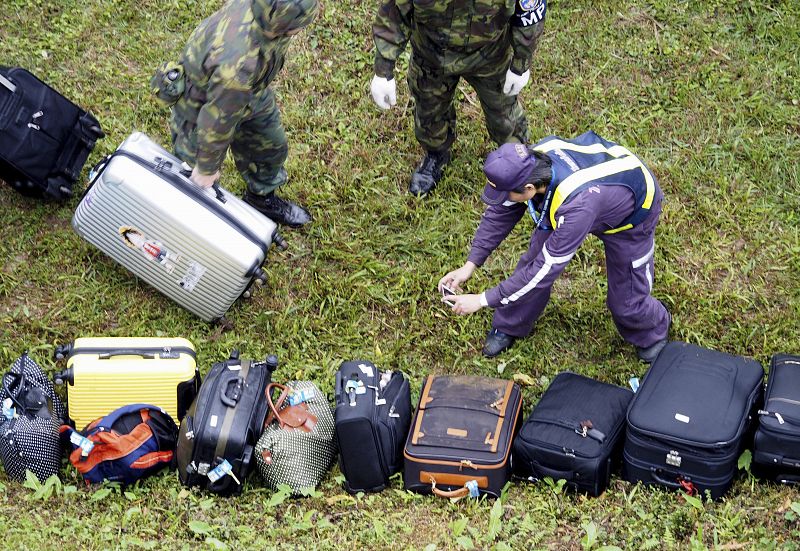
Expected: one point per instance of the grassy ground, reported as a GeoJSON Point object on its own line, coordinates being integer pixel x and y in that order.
{"type": "Point", "coordinates": [706, 92]}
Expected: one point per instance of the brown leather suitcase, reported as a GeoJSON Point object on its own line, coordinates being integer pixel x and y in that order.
{"type": "Point", "coordinates": [460, 438]}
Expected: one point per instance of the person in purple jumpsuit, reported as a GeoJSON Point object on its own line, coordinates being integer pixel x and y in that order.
{"type": "Point", "coordinates": [571, 188]}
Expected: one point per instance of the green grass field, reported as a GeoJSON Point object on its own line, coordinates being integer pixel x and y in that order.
{"type": "Point", "coordinates": [706, 93]}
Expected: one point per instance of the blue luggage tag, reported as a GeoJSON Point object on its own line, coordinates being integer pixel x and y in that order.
{"type": "Point", "coordinates": [472, 486]}
{"type": "Point", "coordinates": [221, 470]}
{"type": "Point", "coordinates": [302, 396]}
{"type": "Point", "coordinates": [634, 382]}
{"type": "Point", "coordinates": [82, 442]}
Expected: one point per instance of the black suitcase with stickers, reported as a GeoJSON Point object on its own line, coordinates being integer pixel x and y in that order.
{"type": "Point", "coordinates": [691, 418]}
{"type": "Point", "coordinates": [776, 449]}
{"type": "Point", "coordinates": [574, 433]}
{"type": "Point", "coordinates": [219, 432]}
{"type": "Point", "coordinates": [373, 414]}
{"type": "Point", "coordinates": [45, 139]}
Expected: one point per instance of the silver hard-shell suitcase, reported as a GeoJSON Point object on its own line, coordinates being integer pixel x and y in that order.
{"type": "Point", "coordinates": [202, 248]}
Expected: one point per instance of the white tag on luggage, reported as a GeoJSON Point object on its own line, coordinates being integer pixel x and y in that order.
{"type": "Point", "coordinates": [8, 84]}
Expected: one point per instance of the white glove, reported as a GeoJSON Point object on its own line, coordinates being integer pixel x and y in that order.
{"type": "Point", "coordinates": [384, 91]}
{"type": "Point", "coordinates": [515, 83]}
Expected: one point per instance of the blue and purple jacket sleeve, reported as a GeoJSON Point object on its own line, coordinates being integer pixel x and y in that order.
{"type": "Point", "coordinates": [549, 254]}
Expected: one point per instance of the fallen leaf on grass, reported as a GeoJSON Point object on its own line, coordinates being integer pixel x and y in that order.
{"type": "Point", "coordinates": [523, 379]}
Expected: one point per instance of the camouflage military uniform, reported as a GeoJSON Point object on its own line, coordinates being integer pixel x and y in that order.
{"type": "Point", "coordinates": [229, 63]}
{"type": "Point", "coordinates": [475, 39]}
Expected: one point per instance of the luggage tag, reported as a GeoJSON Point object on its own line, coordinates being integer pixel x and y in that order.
{"type": "Point", "coordinates": [304, 395]}
{"type": "Point", "coordinates": [221, 470]}
{"type": "Point", "coordinates": [8, 84]}
{"type": "Point", "coordinates": [353, 388]}
{"type": "Point", "coordinates": [378, 400]}
{"type": "Point", "coordinates": [634, 382]}
{"type": "Point", "coordinates": [366, 370]}
{"type": "Point", "coordinates": [82, 442]}
{"type": "Point", "coordinates": [472, 486]}
{"type": "Point", "coordinates": [9, 411]}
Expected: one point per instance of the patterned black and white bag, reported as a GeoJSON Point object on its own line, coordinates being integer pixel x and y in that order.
{"type": "Point", "coordinates": [298, 445]}
{"type": "Point", "coordinates": [31, 416]}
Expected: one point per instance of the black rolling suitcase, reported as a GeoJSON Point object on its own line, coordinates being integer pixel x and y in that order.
{"type": "Point", "coordinates": [460, 438]}
{"type": "Point", "coordinates": [373, 413]}
{"type": "Point", "coordinates": [776, 449]}
{"type": "Point", "coordinates": [219, 432]}
{"type": "Point", "coordinates": [45, 139]}
{"type": "Point", "coordinates": [574, 433]}
{"type": "Point", "coordinates": [690, 419]}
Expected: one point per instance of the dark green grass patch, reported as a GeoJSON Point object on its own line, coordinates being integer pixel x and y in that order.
{"type": "Point", "coordinates": [706, 93]}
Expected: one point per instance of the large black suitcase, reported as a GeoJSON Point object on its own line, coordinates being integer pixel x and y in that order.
{"type": "Point", "coordinates": [690, 419]}
{"type": "Point", "coordinates": [45, 139]}
{"type": "Point", "coordinates": [219, 432]}
{"type": "Point", "coordinates": [776, 449]}
{"type": "Point", "coordinates": [574, 433]}
{"type": "Point", "coordinates": [460, 439]}
{"type": "Point", "coordinates": [372, 420]}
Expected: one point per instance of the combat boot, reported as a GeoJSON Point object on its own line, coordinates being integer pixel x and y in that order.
{"type": "Point", "coordinates": [428, 173]}
{"type": "Point", "coordinates": [278, 210]}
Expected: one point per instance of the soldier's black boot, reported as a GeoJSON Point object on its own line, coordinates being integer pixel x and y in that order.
{"type": "Point", "coordinates": [278, 210]}
{"type": "Point", "coordinates": [428, 173]}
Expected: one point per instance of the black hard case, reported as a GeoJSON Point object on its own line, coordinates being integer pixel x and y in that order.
{"type": "Point", "coordinates": [224, 422]}
{"type": "Point", "coordinates": [776, 449]}
{"type": "Point", "coordinates": [690, 419]}
{"type": "Point", "coordinates": [371, 433]}
{"type": "Point", "coordinates": [552, 442]}
{"type": "Point", "coordinates": [45, 139]}
{"type": "Point", "coordinates": [462, 431]}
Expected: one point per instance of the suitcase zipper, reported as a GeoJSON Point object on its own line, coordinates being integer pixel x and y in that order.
{"type": "Point", "coordinates": [163, 352]}
{"type": "Point", "coordinates": [376, 379]}
{"type": "Point", "coordinates": [785, 400]}
{"type": "Point", "coordinates": [578, 428]}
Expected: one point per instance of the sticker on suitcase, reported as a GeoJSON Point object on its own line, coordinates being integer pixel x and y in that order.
{"type": "Point", "coordinates": [150, 248]}
{"type": "Point", "coordinates": [192, 276]}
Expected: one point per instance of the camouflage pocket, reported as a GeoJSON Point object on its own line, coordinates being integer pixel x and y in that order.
{"type": "Point", "coordinates": [168, 83]}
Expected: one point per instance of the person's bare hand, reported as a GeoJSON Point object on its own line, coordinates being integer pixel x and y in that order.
{"type": "Point", "coordinates": [205, 181]}
{"type": "Point", "coordinates": [464, 304]}
{"type": "Point", "coordinates": [455, 278]}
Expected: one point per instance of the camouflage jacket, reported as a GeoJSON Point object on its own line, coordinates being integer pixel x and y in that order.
{"type": "Point", "coordinates": [457, 34]}
{"type": "Point", "coordinates": [229, 63]}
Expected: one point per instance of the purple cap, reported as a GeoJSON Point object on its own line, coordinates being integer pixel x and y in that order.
{"type": "Point", "coordinates": [507, 168]}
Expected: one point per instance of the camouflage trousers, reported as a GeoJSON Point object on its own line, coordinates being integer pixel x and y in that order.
{"type": "Point", "coordinates": [259, 145]}
{"type": "Point", "coordinates": [433, 89]}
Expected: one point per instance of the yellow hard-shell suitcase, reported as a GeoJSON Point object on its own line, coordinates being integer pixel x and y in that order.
{"type": "Point", "coordinates": [106, 373]}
